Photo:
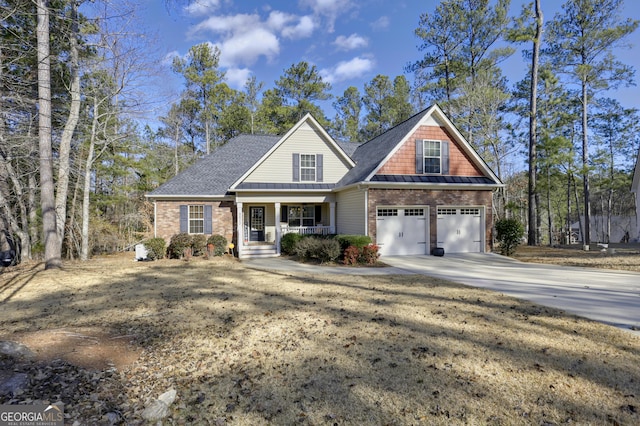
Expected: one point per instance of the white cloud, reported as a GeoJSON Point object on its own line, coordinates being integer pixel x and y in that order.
{"type": "Point", "coordinates": [329, 9]}
{"type": "Point", "coordinates": [201, 7]}
{"type": "Point", "coordinates": [382, 23]}
{"type": "Point", "coordinates": [237, 77]}
{"type": "Point", "coordinates": [245, 48]}
{"type": "Point", "coordinates": [303, 29]}
{"type": "Point", "coordinates": [347, 70]}
{"type": "Point", "coordinates": [243, 38]}
{"type": "Point", "coordinates": [354, 41]}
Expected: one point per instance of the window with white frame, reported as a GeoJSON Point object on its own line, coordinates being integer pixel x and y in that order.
{"type": "Point", "coordinates": [196, 219]}
{"type": "Point", "coordinates": [432, 155]}
{"type": "Point", "coordinates": [308, 167]}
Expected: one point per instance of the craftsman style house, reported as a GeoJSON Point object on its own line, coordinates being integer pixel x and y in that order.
{"type": "Point", "coordinates": [418, 186]}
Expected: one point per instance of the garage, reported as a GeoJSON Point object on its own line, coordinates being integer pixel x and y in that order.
{"type": "Point", "coordinates": [402, 230]}
{"type": "Point", "coordinates": [460, 229]}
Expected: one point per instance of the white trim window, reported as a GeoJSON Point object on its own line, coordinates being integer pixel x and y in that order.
{"type": "Point", "coordinates": [301, 215]}
{"type": "Point", "coordinates": [307, 167]}
{"type": "Point", "coordinates": [432, 156]}
{"type": "Point", "coordinates": [196, 219]}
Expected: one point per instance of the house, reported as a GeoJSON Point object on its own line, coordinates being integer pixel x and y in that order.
{"type": "Point", "coordinates": [417, 186]}
{"type": "Point", "coordinates": [635, 188]}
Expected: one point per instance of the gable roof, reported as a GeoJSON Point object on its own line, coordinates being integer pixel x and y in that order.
{"type": "Point", "coordinates": [213, 175]}
{"type": "Point", "coordinates": [372, 155]}
{"type": "Point", "coordinates": [307, 119]}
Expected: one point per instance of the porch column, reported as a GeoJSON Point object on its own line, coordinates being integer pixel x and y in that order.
{"type": "Point", "coordinates": [240, 230]}
{"type": "Point", "coordinates": [332, 217]}
{"type": "Point", "coordinates": [278, 230]}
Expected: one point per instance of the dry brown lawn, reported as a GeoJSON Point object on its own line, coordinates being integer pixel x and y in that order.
{"type": "Point", "coordinates": [620, 256]}
{"type": "Point", "coordinates": [242, 346]}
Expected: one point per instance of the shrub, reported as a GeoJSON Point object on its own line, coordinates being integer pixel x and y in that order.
{"type": "Point", "coordinates": [351, 255]}
{"type": "Point", "coordinates": [328, 250]}
{"type": "Point", "coordinates": [370, 254]}
{"type": "Point", "coordinates": [288, 243]}
{"type": "Point", "coordinates": [358, 241]}
{"type": "Point", "coordinates": [198, 244]}
{"type": "Point", "coordinates": [305, 247]}
{"type": "Point", "coordinates": [178, 244]}
{"type": "Point", "coordinates": [156, 248]}
{"type": "Point", "coordinates": [219, 244]}
{"type": "Point", "coordinates": [509, 233]}
{"type": "Point", "coordinates": [325, 250]}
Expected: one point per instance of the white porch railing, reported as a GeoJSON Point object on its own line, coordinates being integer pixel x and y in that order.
{"type": "Point", "coordinates": [306, 230]}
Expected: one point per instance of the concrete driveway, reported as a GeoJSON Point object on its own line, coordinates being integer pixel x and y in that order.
{"type": "Point", "coordinates": [611, 297]}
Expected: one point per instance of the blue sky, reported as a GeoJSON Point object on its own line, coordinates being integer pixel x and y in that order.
{"type": "Point", "coordinates": [349, 41]}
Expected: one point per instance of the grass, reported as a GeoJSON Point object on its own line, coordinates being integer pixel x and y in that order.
{"type": "Point", "coordinates": [242, 346]}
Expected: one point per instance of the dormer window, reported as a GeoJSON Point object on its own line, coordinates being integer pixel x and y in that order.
{"type": "Point", "coordinates": [432, 157]}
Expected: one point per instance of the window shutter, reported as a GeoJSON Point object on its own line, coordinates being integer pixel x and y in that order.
{"type": "Point", "coordinates": [296, 167]}
{"type": "Point", "coordinates": [444, 152]}
{"type": "Point", "coordinates": [284, 213]}
{"type": "Point", "coordinates": [318, 213]}
{"type": "Point", "coordinates": [184, 218]}
{"type": "Point", "coordinates": [208, 220]}
{"type": "Point", "coordinates": [318, 167]}
{"type": "Point", "coordinates": [419, 157]}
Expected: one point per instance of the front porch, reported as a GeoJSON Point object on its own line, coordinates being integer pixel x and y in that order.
{"type": "Point", "coordinates": [262, 225]}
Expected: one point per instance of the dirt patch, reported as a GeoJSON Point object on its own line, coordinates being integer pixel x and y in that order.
{"type": "Point", "coordinates": [88, 347]}
{"type": "Point", "coordinates": [241, 346]}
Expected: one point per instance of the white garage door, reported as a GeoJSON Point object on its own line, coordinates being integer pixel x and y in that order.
{"type": "Point", "coordinates": [402, 230]}
{"type": "Point", "coordinates": [460, 229]}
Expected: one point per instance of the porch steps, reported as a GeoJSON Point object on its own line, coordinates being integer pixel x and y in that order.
{"type": "Point", "coordinates": [258, 251]}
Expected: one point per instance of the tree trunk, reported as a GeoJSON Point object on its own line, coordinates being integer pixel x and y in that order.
{"type": "Point", "coordinates": [84, 247]}
{"type": "Point", "coordinates": [585, 169]}
{"type": "Point", "coordinates": [533, 234]}
{"type": "Point", "coordinates": [47, 196]}
{"type": "Point", "coordinates": [62, 186]}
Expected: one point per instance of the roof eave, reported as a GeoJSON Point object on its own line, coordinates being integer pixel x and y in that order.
{"type": "Point", "coordinates": [434, 185]}
{"type": "Point", "coordinates": [176, 197]}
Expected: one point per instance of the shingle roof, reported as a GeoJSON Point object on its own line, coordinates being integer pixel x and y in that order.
{"type": "Point", "coordinates": [215, 173]}
{"type": "Point", "coordinates": [370, 154]}
{"type": "Point", "coordinates": [469, 180]}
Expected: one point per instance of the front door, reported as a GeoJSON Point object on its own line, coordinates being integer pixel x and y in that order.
{"type": "Point", "coordinates": [256, 223]}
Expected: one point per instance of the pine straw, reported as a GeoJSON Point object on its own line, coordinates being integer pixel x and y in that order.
{"type": "Point", "coordinates": [242, 346]}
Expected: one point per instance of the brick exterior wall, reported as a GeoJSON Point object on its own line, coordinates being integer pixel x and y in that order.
{"type": "Point", "coordinates": [223, 216]}
{"type": "Point", "coordinates": [433, 199]}
{"type": "Point", "coordinates": [403, 162]}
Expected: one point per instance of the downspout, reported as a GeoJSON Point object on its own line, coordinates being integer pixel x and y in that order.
{"type": "Point", "coordinates": [155, 219]}
{"type": "Point", "coordinates": [366, 210]}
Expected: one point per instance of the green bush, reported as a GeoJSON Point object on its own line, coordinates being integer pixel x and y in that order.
{"type": "Point", "coordinates": [509, 234]}
{"type": "Point", "coordinates": [219, 244]}
{"type": "Point", "coordinates": [199, 244]}
{"type": "Point", "coordinates": [178, 244]}
{"type": "Point", "coordinates": [288, 243]}
{"type": "Point", "coordinates": [156, 248]}
{"type": "Point", "coordinates": [358, 241]}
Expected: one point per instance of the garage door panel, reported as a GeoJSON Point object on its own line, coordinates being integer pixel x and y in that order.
{"type": "Point", "coordinates": [402, 231]}
{"type": "Point", "coordinates": [459, 230]}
